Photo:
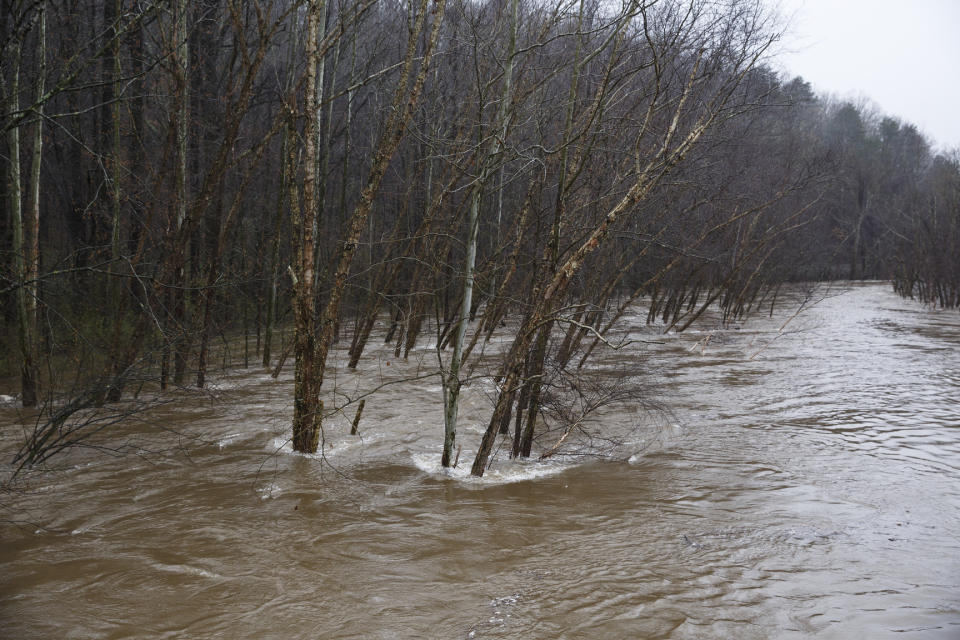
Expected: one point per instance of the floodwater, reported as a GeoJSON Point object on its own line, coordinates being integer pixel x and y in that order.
{"type": "Point", "coordinates": [799, 481]}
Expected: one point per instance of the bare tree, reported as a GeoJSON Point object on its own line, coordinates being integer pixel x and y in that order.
{"type": "Point", "coordinates": [725, 50]}
{"type": "Point", "coordinates": [26, 228]}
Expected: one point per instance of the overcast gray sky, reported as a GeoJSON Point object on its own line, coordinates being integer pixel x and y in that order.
{"type": "Point", "coordinates": [904, 55]}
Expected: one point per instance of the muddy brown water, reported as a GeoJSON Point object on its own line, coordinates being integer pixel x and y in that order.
{"type": "Point", "coordinates": [804, 483]}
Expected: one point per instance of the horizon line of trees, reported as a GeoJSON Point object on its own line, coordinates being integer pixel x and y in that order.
{"type": "Point", "coordinates": [176, 171]}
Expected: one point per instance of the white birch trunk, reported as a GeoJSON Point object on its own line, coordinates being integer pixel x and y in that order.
{"type": "Point", "coordinates": [451, 378]}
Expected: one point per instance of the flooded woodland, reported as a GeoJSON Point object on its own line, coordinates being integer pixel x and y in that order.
{"type": "Point", "coordinates": [466, 319]}
{"type": "Point", "coordinates": [778, 482]}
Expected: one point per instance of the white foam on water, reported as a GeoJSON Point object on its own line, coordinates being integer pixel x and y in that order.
{"type": "Point", "coordinates": [333, 446]}
{"type": "Point", "coordinates": [222, 385]}
{"type": "Point", "coordinates": [186, 569]}
{"type": "Point", "coordinates": [426, 346]}
{"type": "Point", "coordinates": [498, 471]}
{"type": "Point", "coordinates": [504, 601]}
{"type": "Point", "coordinates": [268, 491]}
{"type": "Point", "coordinates": [228, 439]}
{"type": "Point", "coordinates": [282, 445]}
{"type": "Point", "coordinates": [343, 443]}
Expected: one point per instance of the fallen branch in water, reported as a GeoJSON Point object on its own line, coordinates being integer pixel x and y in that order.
{"type": "Point", "coordinates": [559, 443]}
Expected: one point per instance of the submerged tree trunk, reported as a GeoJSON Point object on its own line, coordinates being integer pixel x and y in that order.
{"type": "Point", "coordinates": [451, 378]}
{"type": "Point", "coordinates": [312, 354]}
{"type": "Point", "coordinates": [32, 226]}
{"type": "Point", "coordinates": [178, 332]}
{"type": "Point", "coordinates": [22, 245]}
{"type": "Point", "coordinates": [306, 401]}
{"type": "Point", "coordinates": [274, 269]}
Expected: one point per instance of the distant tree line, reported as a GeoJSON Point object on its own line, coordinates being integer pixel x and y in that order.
{"type": "Point", "coordinates": [180, 173]}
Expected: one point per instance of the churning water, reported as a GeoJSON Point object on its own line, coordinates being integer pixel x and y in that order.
{"type": "Point", "coordinates": [801, 480]}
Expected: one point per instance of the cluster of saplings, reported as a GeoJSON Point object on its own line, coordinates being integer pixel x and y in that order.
{"type": "Point", "coordinates": [177, 172]}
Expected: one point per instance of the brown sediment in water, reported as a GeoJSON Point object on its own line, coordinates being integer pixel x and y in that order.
{"type": "Point", "coordinates": [805, 483]}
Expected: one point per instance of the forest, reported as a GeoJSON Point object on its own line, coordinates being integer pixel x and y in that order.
{"type": "Point", "coordinates": [190, 186]}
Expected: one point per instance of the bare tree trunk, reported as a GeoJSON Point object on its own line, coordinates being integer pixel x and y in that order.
{"type": "Point", "coordinates": [646, 176]}
{"type": "Point", "coordinates": [126, 346]}
{"type": "Point", "coordinates": [32, 226]}
{"type": "Point", "coordinates": [535, 372]}
{"type": "Point", "coordinates": [306, 403]}
{"type": "Point", "coordinates": [275, 248]}
{"type": "Point", "coordinates": [115, 232]}
{"type": "Point", "coordinates": [312, 365]}
{"type": "Point", "coordinates": [179, 332]}
{"type": "Point", "coordinates": [117, 301]}
{"type": "Point", "coordinates": [451, 378]}
{"type": "Point", "coordinates": [282, 199]}
{"type": "Point", "coordinates": [321, 144]}
{"type": "Point", "coordinates": [26, 288]}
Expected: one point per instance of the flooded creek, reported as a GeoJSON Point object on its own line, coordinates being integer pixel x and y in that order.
{"type": "Point", "coordinates": [799, 483]}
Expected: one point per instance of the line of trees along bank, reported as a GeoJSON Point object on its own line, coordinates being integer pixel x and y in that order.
{"type": "Point", "coordinates": [175, 171]}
